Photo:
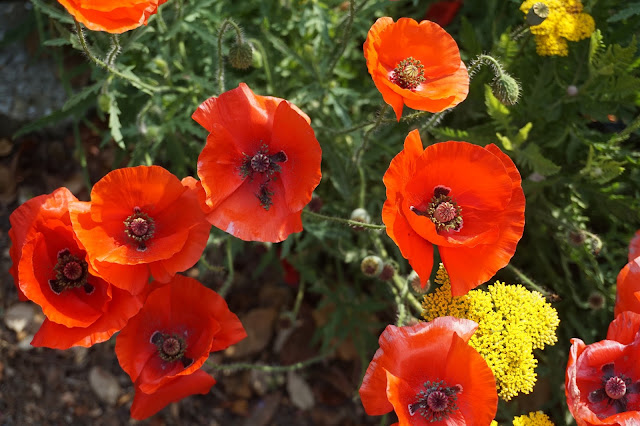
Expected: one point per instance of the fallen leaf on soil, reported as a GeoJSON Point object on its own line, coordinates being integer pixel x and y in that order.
{"type": "Point", "coordinates": [18, 316]}
{"type": "Point", "coordinates": [264, 410]}
{"type": "Point", "coordinates": [104, 385]}
{"type": "Point", "coordinates": [299, 391]}
{"type": "Point", "coordinates": [259, 325]}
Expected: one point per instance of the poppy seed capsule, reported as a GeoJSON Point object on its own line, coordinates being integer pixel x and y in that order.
{"type": "Point", "coordinates": [360, 215]}
{"type": "Point", "coordinates": [414, 282]}
{"type": "Point", "coordinates": [241, 55]}
{"type": "Point", "coordinates": [372, 266]}
{"type": "Point", "coordinates": [537, 14]}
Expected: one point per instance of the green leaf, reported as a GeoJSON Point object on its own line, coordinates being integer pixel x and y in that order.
{"type": "Point", "coordinates": [627, 12]}
{"type": "Point", "coordinates": [52, 12]}
{"type": "Point", "coordinates": [533, 158]}
{"type": "Point", "coordinates": [114, 121]}
{"type": "Point", "coordinates": [81, 95]}
{"type": "Point", "coordinates": [497, 110]}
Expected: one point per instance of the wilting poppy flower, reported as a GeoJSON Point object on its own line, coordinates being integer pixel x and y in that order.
{"type": "Point", "coordinates": [602, 382]}
{"type": "Point", "coordinates": [259, 166]}
{"type": "Point", "coordinates": [113, 16]}
{"type": "Point", "coordinates": [50, 267]}
{"type": "Point", "coordinates": [465, 199]}
{"type": "Point", "coordinates": [443, 12]}
{"type": "Point", "coordinates": [163, 347]}
{"type": "Point", "coordinates": [628, 288]}
{"type": "Point", "coordinates": [141, 221]}
{"type": "Point", "coordinates": [415, 64]}
{"type": "Point", "coordinates": [430, 375]}
{"type": "Point", "coordinates": [634, 246]}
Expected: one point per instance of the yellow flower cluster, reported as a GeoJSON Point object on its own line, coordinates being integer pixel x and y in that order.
{"type": "Point", "coordinates": [566, 21]}
{"type": "Point", "coordinates": [537, 418]}
{"type": "Point", "coordinates": [512, 321]}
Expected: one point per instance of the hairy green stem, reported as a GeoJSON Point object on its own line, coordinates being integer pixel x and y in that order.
{"type": "Point", "coordinates": [401, 285]}
{"type": "Point", "coordinates": [114, 50]}
{"type": "Point", "coordinates": [270, 368]}
{"type": "Point", "coordinates": [231, 272]}
{"type": "Point", "coordinates": [365, 139]}
{"type": "Point", "coordinates": [265, 61]}
{"type": "Point", "coordinates": [342, 45]}
{"type": "Point", "coordinates": [527, 281]}
{"type": "Point", "coordinates": [107, 67]}
{"type": "Point", "coordinates": [228, 22]}
{"type": "Point", "coordinates": [347, 222]}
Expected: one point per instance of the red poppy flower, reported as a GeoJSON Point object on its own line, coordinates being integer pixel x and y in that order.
{"type": "Point", "coordinates": [443, 12]}
{"type": "Point", "coordinates": [51, 268]}
{"type": "Point", "coordinates": [634, 246]}
{"type": "Point", "coordinates": [415, 64]}
{"type": "Point", "coordinates": [602, 383]}
{"type": "Point", "coordinates": [628, 288]}
{"type": "Point", "coordinates": [260, 164]}
{"type": "Point", "coordinates": [624, 327]}
{"type": "Point", "coordinates": [113, 16]}
{"type": "Point", "coordinates": [429, 375]}
{"type": "Point", "coordinates": [141, 221]}
{"type": "Point", "coordinates": [465, 199]}
{"type": "Point", "coordinates": [163, 347]}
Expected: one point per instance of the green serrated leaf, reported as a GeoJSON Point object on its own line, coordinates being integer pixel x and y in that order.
{"type": "Point", "coordinates": [522, 134]}
{"type": "Point", "coordinates": [81, 95]}
{"type": "Point", "coordinates": [114, 121]}
{"type": "Point", "coordinates": [497, 110]}
{"type": "Point", "coordinates": [505, 141]}
{"type": "Point", "coordinates": [533, 158]}
{"type": "Point", "coordinates": [627, 12]}
{"type": "Point", "coordinates": [52, 12]}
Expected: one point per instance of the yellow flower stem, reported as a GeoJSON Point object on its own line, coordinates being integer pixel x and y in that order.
{"type": "Point", "coordinates": [527, 281]}
{"type": "Point", "coordinates": [348, 222]}
{"type": "Point", "coordinates": [135, 81]}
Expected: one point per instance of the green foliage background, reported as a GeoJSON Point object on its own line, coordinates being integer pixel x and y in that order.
{"type": "Point", "coordinates": [580, 169]}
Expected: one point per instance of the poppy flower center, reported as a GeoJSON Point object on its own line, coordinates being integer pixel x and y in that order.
{"type": "Point", "coordinates": [171, 347]}
{"type": "Point", "coordinates": [265, 166]}
{"type": "Point", "coordinates": [71, 272]}
{"type": "Point", "coordinates": [436, 402]}
{"type": "Point", "coordinates": [408, 74]}
{"type": "Point", "coordinates": [615, 388]}
{"type": "Point", "coordinates": [139, 227]}
{"type": "Point", "coordinates": [443, 211]}
{"type": "Point", "coordinates": [613, 391]}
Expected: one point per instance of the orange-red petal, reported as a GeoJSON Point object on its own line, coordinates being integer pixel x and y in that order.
{"type": "Point", "coordinates": [624, 327]}
{"type": "Point", "coordinates": [628, 283]}
{"type": "Point", "coordinates": [112, 16]}
{"type": "Point", "coordinates": [145, 405]}
{"type": "Point", "coordinates": [634, 246]}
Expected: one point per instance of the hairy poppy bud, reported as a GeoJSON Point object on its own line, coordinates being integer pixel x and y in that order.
{"type": "Point", "coordinates": [241, 55]}
{"type": "Point", "coordinates": [506, 89]}
{"type": "Point", "coordinates": [372, 266]}
{"type": "Point", "coordinates": [537, 14]}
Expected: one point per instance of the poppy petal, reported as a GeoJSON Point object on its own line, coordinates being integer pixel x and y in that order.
{"type": "Point", "coordinates": [627, 284]}
{"type": "Point", "coordinates": [624, 327]}
{"type": "Point", "coordinates": [145, 405]}
{"type": "Point", "coordinates": [634, 246]}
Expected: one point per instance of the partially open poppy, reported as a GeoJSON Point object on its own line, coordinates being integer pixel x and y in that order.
{"type": "Point", "coordinates": [112, 16]}
{"type": "Point", "coordinates": [51, 268]}
{"type": "Point", "coordinates": [465, 199]}
{"type": "Point", "coordinates": [259, 166]}
{"type": "Point", "coordinates": [429, 375]}
{"type": "Point", "coordinates": [628, 288]}
{"type": "Point", "coordinates": [602, 382]}
{"type": "Point", "coordinates": [170, 339]}
{"type": "Point", "coordinates": [141, 221]}
{"type": "Point", "coordinates": [415, 64]}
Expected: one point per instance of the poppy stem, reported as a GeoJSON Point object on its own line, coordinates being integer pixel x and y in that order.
{"type": "Point", "coordinates": [342, 45]}
{"type": "Point", "coordinates": [114, 50]}
{"type": "Point", "coordinates": [527, 281]}
{"type": "Point", "coordinates": [131, 78]}
{"type": "Point", "coordinates": [347, 222]}
{"type": "Point", "coordinates": [270, 368]}
{"type": "Point", "coordinates": [402, 287]}
{"type": "Point", "coordinates": [231, 272]}
{"type": "Point", "coordinates": [228, 22]}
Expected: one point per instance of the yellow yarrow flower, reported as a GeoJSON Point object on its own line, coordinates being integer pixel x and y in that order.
{"type": "Point", "coordinates": [533, 419]}
{"type": "Point", "coordinates": [512, 321]}
{"type": "Point", "coordinates": [566, 21]}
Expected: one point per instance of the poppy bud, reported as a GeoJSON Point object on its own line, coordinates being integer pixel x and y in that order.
{"type": "Point", "coordinates": [360, 215]}
{"type": "Point", "coordinates": [388, 271]}
{"type": "Point", "coordinates": [537, 14]}
{"type": "Point", "coordinates": [241, 55]}
{"type": "Point", "coordinates": [596, 301]}
{"type": "Point", "coordinates": [572, 90]}
{"type": "Point", "coordinates": [506, 89]}
{"type": "Point", "coordinates": [372, 266]}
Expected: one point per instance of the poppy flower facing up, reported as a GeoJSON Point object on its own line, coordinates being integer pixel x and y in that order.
{"type": "Point", "coordinates": [50, 268]}
{"type": "Point", "coordinates": [141, 221]}
{"type": "Point", "coordinates": [465, 199]}
{"type": "Point", "coordinates": [415, 64]}
{"type": "Point", "coordinates": [259, 166]}
{"type": "Point", "coordinates": [429, 375]}
{"type": "Point", "coordinates": [112, 16]}
{"type": "Point", "coordinates": [628, 288]}
{"type": "Point", "coordinates": [602, 382]}
{"type": "Point", "coordinates": [163, 347]}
